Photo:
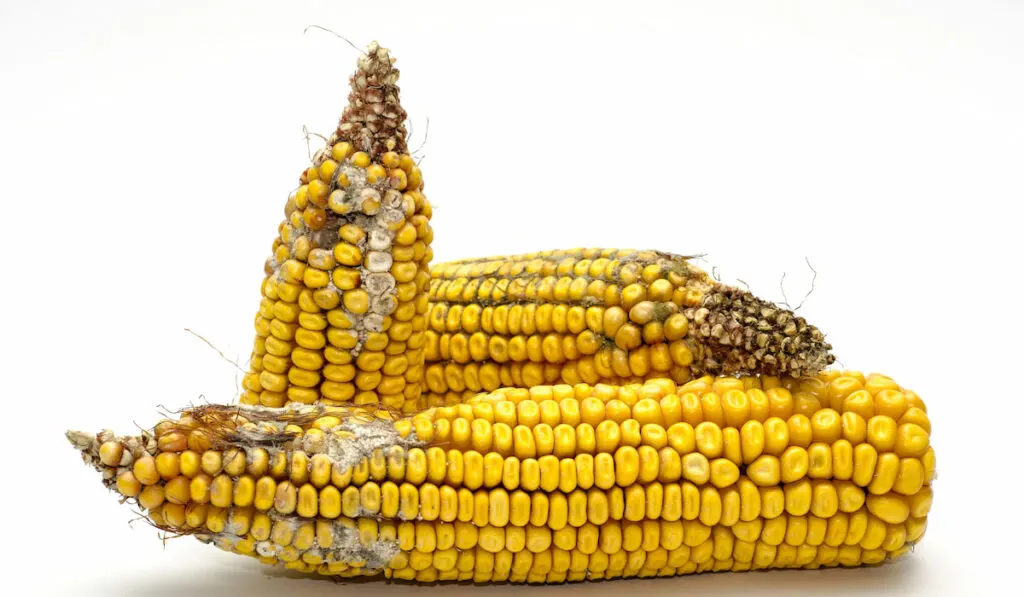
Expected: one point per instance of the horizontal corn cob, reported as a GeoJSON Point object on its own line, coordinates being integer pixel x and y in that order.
{"type": "Point", "coordinates": [344, 298]}
{"type": "Point", "coordinates": [601, 315]}
{"type": "Point", "coordinates": [548, 484]}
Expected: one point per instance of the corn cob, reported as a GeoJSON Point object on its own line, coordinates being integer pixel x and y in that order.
{"type": "Point", "coordinates": [548, 484]}
{"type": "Point", "coordinates": [344, 298]}
{"type": "Point", "coordinates": [601, 315]}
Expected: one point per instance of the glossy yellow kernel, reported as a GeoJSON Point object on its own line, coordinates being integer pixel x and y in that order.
{"type": "Point", "coordinates": [750, 500]}
{"type": "Point", "coordinates": [909, 477]}
{"type": "Point", "coordinates": [710, 506]}
{"type": "Point", "coordinates": [752, 441]}
{"type": "Point", "coordinates": [794, 464]}
{"type": "Point", "coordinates": [736, 408]}
{"type": "Point", "coordinates": [889, 508]}
{"type": "Point", "coordinates": [805, 403]}
{"type": "Point", "coordinates": [824, 499]}
{"type": "Point", "coordinates": [915, 529]}
{"type": "Point", "coordinates": [920, 503]}
{"type": "Point", "coordinates": [776, 436]}
{"type": "Point", "coordinates": [890, 403]}
{"type": "Point", "coordinates": [708, 437]}
{"type": "Point", "coordinates": [886, 472]}
{"type": "Point", "coordinates": [724, 472]}
{"type": "Point", "coordinates": [627, 466]}
{"type": "Point", "coordinates": [780, 402]}
{"type": "Point", "coordinates": [928, 461]}
{"type": "Point", "coordinates": [798, 497]}
{"type": "Point", "coordinates": [882, 433]}
{"type": "Point", "coordinates": [911, 441]}
{"type": "Point", "coordinates": [916, 412]}
{"type": "Point", "coordinates": [748, 530]}
{"type": "Point", "coordinates": [860, 402]}
{"type": "Point", "coordinates": [648, 411]}
{"type": "Point", "coordinates": [696, 468]}
{"type": "Point", "coordinates": [865, 459]}
{"type": "Point", "coordinates": [850, 497]}
{"type": "Point", "coordinates": [773, 501]}
{"type": "Point", "coordinates": [826, 426]}
{"type": "Point", "coordinates": [819, 458]}
{"type": "Point", "coordinates": [800, 433]}
{"type": "Point", "coordinates": [682, 438]}
{"type": "Point", "coordinates": [765, 471]}
{"type": "Point", "coordinates": [841, 387]}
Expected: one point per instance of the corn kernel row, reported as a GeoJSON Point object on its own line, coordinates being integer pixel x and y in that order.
{"type": "Point", "coordinates": [553, 507]}
{"type": "Point", "coordinates": [416, 546]}
{"type": "Point", "coordinates": [857, 528]}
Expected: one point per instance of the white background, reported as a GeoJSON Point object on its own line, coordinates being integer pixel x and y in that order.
{"type": "Point", "coordinates": [146, 150]}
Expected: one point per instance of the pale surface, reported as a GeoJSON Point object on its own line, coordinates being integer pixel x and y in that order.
{"type": "Point", "coordinates": [147, 151]}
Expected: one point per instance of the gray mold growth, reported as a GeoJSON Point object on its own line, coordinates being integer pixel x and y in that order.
{"type": "Point", "coordinates": [346, 545]}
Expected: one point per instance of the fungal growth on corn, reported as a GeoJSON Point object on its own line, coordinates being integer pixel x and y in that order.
{"type": "Point", "coordinates": [601, 315]}
{"type": "Point", "coordinates": [548, 484]}
{"type": "Point", "coordinates": [343, 305]}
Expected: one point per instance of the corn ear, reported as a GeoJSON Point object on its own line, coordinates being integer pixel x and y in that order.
{"type": "Point", "coordinates": [548, 484]}
{"type": "Point", "coordinates": [343, 302]}
{"type": "Point", "coordinates": [601, 315]}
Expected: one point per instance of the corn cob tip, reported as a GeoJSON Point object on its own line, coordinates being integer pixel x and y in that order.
{"type": "Point", "coordinates": [374, 120]}
{"type": "Point", "coordinates": [746, 334]}
{"type": "Point", "coordinates": [187, 473]}
{"type": "Point", "coordinates": [109, 454]}
{"type": "Point", "coordinates": [344, 435]}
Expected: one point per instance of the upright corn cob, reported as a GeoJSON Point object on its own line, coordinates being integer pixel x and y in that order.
{"type": "Point", "coordinates": [342, 313]}
{"type": "Point", "coordinates": [548, 484]}
{"type": "Point", "coordinates": [601, 315]}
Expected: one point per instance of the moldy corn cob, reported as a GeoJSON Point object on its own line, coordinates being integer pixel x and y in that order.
{"type": "Point", "coordinates": [341, 318]}
{"type": "Point", "coordinates": [548, 484]}
{"type": "Point", "coordinates": [605, 315]}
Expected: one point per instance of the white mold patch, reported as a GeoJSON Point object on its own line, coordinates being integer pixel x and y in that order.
{"type": "Point", "coordinates": [346, 545]}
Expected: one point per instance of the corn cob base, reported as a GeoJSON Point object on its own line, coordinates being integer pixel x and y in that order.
{"type": "Point", "coordinates": [551, 484]}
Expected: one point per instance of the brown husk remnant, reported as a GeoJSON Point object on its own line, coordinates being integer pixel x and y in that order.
{"type": "Point", "coordinates": [737, 333]}
{"type": "Point", "coordinates": [374, 120]}
{"type": "Point", "coordinates": [741, 333]}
